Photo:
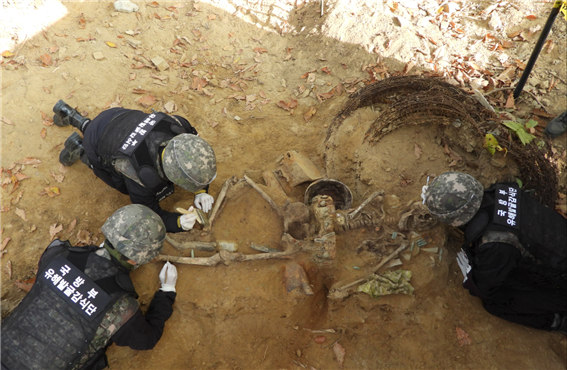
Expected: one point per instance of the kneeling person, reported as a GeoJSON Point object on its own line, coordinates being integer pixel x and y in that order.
{"type": "Point", "coordinates": [515, 252]}
{"type": "Point", "coordinates": [83, 299]}
{"type": "Point", "coordinates": [142, 155]}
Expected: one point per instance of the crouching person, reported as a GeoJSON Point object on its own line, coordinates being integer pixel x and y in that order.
{"type": "Point", "coordinates": [83, 299]}
{"type": "Point", "coordinates": [515, 252]}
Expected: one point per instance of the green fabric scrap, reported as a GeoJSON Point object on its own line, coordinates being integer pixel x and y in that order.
{"type": "Point", "coordinates": [389, 282]}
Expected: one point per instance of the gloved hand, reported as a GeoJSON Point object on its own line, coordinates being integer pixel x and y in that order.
{"type": "Point", "coordinates": [204, 202]}
{"type": "Point", "coordinates": [463, 262]}
{"type": "Point", "coordinates": [168, 277]}
{"type": "Point", "coordinates": [188, 221]}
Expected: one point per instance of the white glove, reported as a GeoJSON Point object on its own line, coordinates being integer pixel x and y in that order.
{"type": "Point", "coordinates": [168, 277]}
{"type": "Point", "coordinates": [463, 262]}
{"type": "Point", "coordinates": [424, 190]}
{"type": "Point", "coordinates": [188, 221]}
{"type": "Point", "coordinates": [204, 202]}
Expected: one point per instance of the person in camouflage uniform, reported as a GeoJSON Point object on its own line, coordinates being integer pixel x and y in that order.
{"type": "Point", "coordinates": [142, 155]}
{"type": "Point", "coordinates": [515, 252]}
{"type": "Point", "coordinates": [50, 329]}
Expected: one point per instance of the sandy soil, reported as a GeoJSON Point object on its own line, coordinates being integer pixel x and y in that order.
{"type": "Point", "coordinates": [229, 65]}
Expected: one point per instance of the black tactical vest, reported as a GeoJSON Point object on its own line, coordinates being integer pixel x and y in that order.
{"type": "Point", "coordinates": [48, 331]}
{"type": "Point", "coordinates": [540, 231]}
{"type": "Point", "coordinates": [137, 136]}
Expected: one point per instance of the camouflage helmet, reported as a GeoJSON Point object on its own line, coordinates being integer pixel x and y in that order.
{"type": "Point", "coordinates": [189, 161]}
{"type": "Point", "coordinates": [454, 197]}
{"type": "Point", "coordinates": [136, 232]}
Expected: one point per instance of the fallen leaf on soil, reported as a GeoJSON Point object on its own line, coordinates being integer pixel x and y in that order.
{"type": "Point", "coordinates": [63, 169]}
{"type": "Point", "coordinates": [147, 100]}
{"type": "Point", "coordinates": [17, 198]}
{"type": "Point", "coordinates": [250, 98]}
{"type": "Point", "coordinates": [408, 67]}
{"type": "Point", "coordinates": [4, 209]}
{"type": "Point", "coordinates": [25, 285]}
{"type": "Point", "coordinates": [340, 353]}
{"type": "Point", "coordinates": [462, 336]}
{"type": "Point", "coordinates": [43, 133]}
{"type": "Point", "coordinates": [84, 236]}
{"type": "Point", "coordinates": [58, 178]}
{"type": "Point", "coordinates": [21, 176]}
{"type": "Point", "coordinates": [531, 17]}
{"type": "Point", "coordinates": [287, 106]}
{"type": "Point", "coordinates": [140, 91]}
{"type": "Point", "coordinates": [111, 44]}
{"type": "Point", "coordinates": [260, 50]}
{"type": "Point", "coordinates": [29, 160]}
{"type": "Point", "coordinates": [52, 192]}
{"type": "Point", "coordinates": [320, 339]}
{"type": "Point", "coordinates": [310, 113]}
{"type": "Point", "coordinates": [72, 225]}
{"type": "Point", "coordinates": [54, 229]}
{"type": "Point", "coordinates": [7, 121]}
{"type": "Point", "coordinates": [5, 243]}
{"type": "Point", "coordinates": [153, 4]}
{"type": "Point", "coordinates": [7, 54]}
{"type": "Point", "coordinates": [46, 59]}
{"type": "Point", "coordinates": [53, 49]}
{"type": "Point", "coordinates": [21, 213]}
{"type": "Point", "coordinates": [417, 150]}
{"type": "Point", "coordinates": [326, 70]}
{"type": "Point", "coordinates": [507, 44]}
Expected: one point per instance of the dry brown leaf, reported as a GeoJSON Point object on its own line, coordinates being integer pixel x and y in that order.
{"type": "Point", "coordinates": [212, 17]}
{"type": "Point", "coordinates": [111, 44]}
{"type": "Point", "coordinates": [408, 67]}
{"type": "Point", "coordinates": [153, 4]}
{"type": "Point", "coordinates": [25, 285]}
{"type": "Point", "coordinates": [326, 70]}
{"type": "Point", "coordinates": [43, 133]}
{"type": "Point", "coordinates": [84, 236]}
{"type": "Point", "coordinates": [417, 150]}
{"type": "Point", "coordinates": [250, 98]}
{"type": "Point", "coordinates": [260, 50]}
{"type": "Point", "coordinates": [5, 243]}
{"type": "Point", "coordinates": [54, 229]}
{"type": "Point", "coordinates": [63, 169]}
{"type": "Point", "coordinates": [58, 178]}
{"type": "Point", "coordinates": [310, 113]}
{"type": "Point", "coordinates": [53, 49]}
{"type": "Point", "coordinates": [462, 336]}
{"type": "Point", "coordinates": [28, 160]}
{"type": "Point", "coordinates": [507, 44]}
{"type": "Point", "coordinates": [46, 59]}
{"type": "Point", "coordinates": [4, 209]}
{"type": "Point", "coordinates": [21, 176]}
{"type": "Point", "coordinates": [510, 101]}
{"type": "Point", "coordinates": [197, 33]}
{"type": "Point", "coordinates": [7, 54]}
{"type": "Point", "coordinates": [340, 353]}
{"type": "Point", "coordinates": [17, 198]}
{"type": "Point", "coordinates": [7, 121]}
{"type": "Point", "coordinates": [147, 100]}
{"type": "Point", "coordinates": [531, 17]}
{"type": "Point", "coordinates": [72, 225]}
{"type": "Point", "coordinates": [21, 214]}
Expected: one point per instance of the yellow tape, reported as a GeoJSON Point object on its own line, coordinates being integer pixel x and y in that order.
{"type": "Point", "coordinates": [558, 3]}
{"type": "Point", "coordinates": [564, 9]}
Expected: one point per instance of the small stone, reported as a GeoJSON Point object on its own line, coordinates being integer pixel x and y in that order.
{"type": "Point", "coordinates": [160, 63]}
{"type": "Point", "coordinates": [236, 118]}
{"type": "Point", "coordinates": [134, 43]}
{"type": "Point", "coordinates": [129, 32]}
{"type": "Point", "coordinates": [125, 6]}
{"type": "Point", "coordinates": [298, 353]}
{"type": "Point", "coordinates": [477, 337]}
{"type": "Point", "coordinates": [98, 55]}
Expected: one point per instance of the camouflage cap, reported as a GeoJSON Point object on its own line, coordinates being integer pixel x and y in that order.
{"type": "Point", "coordinates": [454, 197]}
{"type": "Point", "coordinates": [136, 232]}
{"type": "Point", "coordinates": [189, 161]}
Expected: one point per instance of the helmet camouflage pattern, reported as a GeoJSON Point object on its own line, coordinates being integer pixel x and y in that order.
{"type": "Point", "coordinates": [454, 197]}
{"type": "Point", "coordinates": [136, 232]}
{"type": "Point", "coordinates": [189, 161]}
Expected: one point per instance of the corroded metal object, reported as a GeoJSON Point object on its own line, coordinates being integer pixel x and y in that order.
{"type": "Point", "coordinates": [340, 193]}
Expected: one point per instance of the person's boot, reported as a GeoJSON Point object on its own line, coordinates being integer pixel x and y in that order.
{"type": "Point", "coordinates": [557, 126]}
{"type": "Point", "coordinates": [65, 116]}
{"type": "Point", "coordinates": [73, 150]}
